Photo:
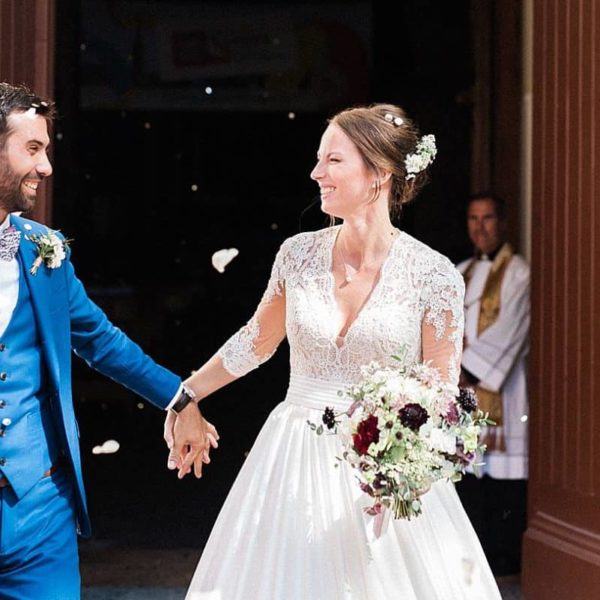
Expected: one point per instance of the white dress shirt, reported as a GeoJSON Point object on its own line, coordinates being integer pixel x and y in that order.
{"type": "Point", "coordinates": [9, 285]}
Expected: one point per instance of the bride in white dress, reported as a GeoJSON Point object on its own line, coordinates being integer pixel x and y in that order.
{"type": "Point", "coordinates": [293, 526]}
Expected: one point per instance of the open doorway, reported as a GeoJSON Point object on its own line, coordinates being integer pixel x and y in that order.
{"type": "Point", "coordinates": [188, 127]}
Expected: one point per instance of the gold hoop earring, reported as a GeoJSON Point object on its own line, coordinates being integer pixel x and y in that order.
{"type": "Point", "coordinates": [377, 187]}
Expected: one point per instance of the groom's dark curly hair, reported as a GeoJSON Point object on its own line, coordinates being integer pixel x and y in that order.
{"type": "Point", "coordinates": [19, 98]}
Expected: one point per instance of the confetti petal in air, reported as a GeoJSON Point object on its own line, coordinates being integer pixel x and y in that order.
{"type": "Point", "coordinates": [109, 447]}
{"type": "Point", "coordinates": [223, 257]}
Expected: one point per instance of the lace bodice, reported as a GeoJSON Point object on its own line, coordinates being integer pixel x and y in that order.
{"type": "Point", "coordinates": [417, 304]}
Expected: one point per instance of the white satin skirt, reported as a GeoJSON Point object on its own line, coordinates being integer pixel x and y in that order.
{"type": "Point", "coordinates": [293, 526]}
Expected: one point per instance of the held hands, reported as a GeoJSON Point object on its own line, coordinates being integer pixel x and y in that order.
{"type": "Point", "coordinates": [189, 438]}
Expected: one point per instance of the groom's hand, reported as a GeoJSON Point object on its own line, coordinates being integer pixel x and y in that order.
{"type": "Point", "coordinates": [189, 438]}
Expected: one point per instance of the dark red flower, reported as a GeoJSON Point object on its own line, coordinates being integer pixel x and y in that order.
{"type": "Point", "coordinates": [467, 398]}
{"type": "Point", "coordinates": [366, 434]}
{"type": "Point", "coordinates": [329, 418]}
{"type": "Point", "coordinates": [413, 415]}
{"type": "Point", "coordinates": [379, 481]}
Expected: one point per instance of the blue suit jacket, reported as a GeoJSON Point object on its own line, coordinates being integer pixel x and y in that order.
{"type": "Point", "coordinates": [68, 320]}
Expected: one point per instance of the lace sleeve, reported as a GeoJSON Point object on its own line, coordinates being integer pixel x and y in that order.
{"type": "Point", "coordinates": [443, 320]}
{"type": "Point", "coordinates": [257, 341]}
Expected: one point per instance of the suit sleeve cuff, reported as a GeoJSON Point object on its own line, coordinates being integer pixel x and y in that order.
{"type": "Point", "coordinates": [174, 399]}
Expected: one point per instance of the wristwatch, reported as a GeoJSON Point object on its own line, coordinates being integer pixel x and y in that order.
{"type": "Point", "coordinates": [185, 397]}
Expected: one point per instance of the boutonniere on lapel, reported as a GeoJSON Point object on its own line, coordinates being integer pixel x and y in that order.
{"type": "Point", "coordinates": [51, 250]}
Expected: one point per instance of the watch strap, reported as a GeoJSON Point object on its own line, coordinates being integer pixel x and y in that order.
{"type": "Point", "coordinates": [185, 397]}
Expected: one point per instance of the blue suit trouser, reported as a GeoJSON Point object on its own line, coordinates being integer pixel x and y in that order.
{"type": "Point", "coordinates": [38, 541]}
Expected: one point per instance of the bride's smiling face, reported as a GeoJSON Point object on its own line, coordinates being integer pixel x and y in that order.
{"type": "Point", "coordinates": [345, 181]}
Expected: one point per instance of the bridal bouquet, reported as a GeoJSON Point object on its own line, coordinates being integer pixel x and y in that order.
{"type": "Point", "coordinates": [405, 430]}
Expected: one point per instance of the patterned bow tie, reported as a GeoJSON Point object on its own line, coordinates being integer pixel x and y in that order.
{"type": "Point", "coordinates": [9, 243]}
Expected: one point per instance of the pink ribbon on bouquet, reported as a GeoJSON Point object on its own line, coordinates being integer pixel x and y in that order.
{"type": "Point", "coordinates": [381, 522]}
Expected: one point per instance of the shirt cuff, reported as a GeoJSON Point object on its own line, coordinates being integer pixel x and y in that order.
{"type": "Point", "coordinates": [177, 394]}
{"type": "Point", "coordinates": [489, 377]}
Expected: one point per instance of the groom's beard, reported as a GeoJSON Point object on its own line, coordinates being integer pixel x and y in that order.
{"type": "Point", "coordinates": [12, 197]}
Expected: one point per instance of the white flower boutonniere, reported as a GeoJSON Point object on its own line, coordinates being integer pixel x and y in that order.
{"type": "Point", "coordinates": [51, 250]}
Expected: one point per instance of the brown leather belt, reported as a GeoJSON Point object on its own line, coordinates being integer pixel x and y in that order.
{"type": "Point", "coordinates": [5, 482]}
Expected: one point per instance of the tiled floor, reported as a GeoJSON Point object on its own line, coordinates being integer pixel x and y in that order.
{"type": "Point", "coordinates": [510, 588]}
{"type": "Point", "coordinates": [124, 593]}
{"type": "Point", "coordinates": [153, 574]}
{"type": "Point", "coordinates": [510, 591]}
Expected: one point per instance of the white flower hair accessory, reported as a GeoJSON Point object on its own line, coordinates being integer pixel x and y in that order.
{"type": "Point", "coordinates": [390, 118]}
{"type": "Point", "coordinates": [422, 157]}
{"type": "Point", "coordinates": [51, 250]}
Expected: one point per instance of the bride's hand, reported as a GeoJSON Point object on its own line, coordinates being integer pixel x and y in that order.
{"type": "Point", "coordinates": [203, 458]}
{"type": "Point", "coordinates": [189, 438]}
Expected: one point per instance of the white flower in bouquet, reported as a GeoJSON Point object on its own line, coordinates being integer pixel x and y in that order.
{"type": "Point", "coordinates": [394, 386]}
{"type": "Point", "coordinates": [444, 441]}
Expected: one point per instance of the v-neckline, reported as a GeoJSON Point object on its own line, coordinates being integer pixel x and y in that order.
{"type": "Point", "coordinates": [374, 290]}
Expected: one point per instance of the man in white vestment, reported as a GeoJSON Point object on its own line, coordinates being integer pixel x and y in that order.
{"type": "Point", "coordinates": [494, 363]}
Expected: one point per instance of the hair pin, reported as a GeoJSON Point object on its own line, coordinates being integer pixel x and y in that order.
{"type": "Point", "coordinates": [390, 118]}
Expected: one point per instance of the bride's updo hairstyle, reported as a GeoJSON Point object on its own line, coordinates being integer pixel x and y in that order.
{"type": "Point", "coordinates": [385, 137]}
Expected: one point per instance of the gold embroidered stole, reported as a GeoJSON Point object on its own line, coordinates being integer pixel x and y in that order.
{"type": "Point", "coordinates": [489, 401]}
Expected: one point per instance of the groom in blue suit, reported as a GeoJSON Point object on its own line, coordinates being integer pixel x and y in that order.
{"type": "Point", "coordinates": [44, 314]}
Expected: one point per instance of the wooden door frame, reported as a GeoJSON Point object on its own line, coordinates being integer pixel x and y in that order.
{"type": "Point", "coordinates": [496, 164]}
{"type": "Point", "coordinates": [562, 542]}
{"type": "Point", "coordinates": [27, 36]}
